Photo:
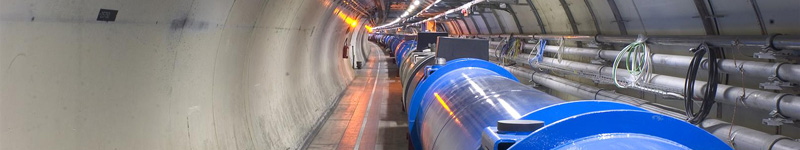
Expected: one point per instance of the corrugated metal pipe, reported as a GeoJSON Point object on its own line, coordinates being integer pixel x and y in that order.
{"type": "Point", "coordinates": [740, 137]}
{"type": "Point", "coordinates": [785, 104]}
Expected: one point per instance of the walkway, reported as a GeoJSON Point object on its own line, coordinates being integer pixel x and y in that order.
{"type": "Point", "coordinates": [369, 115]}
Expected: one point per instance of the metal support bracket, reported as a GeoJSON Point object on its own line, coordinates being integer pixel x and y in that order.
{"type": "Point", "coordinates": [765, 55]}
{"type": "Point", "coordinates": [790, 56]}
{"type": "Point", "coordinates": [770, 52]}
{"type": "Point", "coordinates": [777, 85]}
{"type": "Point", "coordinates": [534, 84]}
{"type": "Point", "coordinates": [776, 120]}
{"type": "Point", "coordinates": [597, 60]}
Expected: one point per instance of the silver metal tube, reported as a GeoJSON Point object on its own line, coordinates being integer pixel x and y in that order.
{"type": "Point", "coordinates": [786, 72]}
{"type": "Point", "coordinates": [788, 105]}
{"type": "Point", "coordinates": [464, 101]}
{"type": "Point", "coordinates": [789, 72]}
{"type": "Point", "coordinates": [742, 137]}
{"type": "Point", "coordinates": [786, 144]}
{"type": "Point", "coordinates": [589, 92]}
{"type": "Point", "coordinates": [780, 42]}
{"type": "Point", "coordinates": [746, 138]}
{"type": "Point", "coordinates": [777, 41]}
{"type": "Point", "coordinates": [787, 42]}
{"type": "Point", "coordinates": [764, 100]}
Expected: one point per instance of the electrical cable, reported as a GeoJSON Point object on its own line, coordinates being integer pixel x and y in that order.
{"type": "Point", "coordinates": [539, 49]}
{"type": "Point", "coordinates": [638, 62]}
{"type": "Point", "coordinates": [497, 53]}
{"type": "Point", "coordinates": [710, 90]}
{"type": "Point", "coordinates": [520, 45]}
{"type": "Point", "coordinates": [560, 49]}
{"type": "Point", "coordinates": [509, 44]}
{"type": "Point", "coordinates": [506, 48]}
{"type": "Point", "coordinates": [512, 48]}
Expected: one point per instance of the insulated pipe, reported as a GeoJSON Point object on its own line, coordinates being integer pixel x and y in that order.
{"type": "Point", "coordinates": [413, 72]}
{"type": "Point", "coordinates": [782, 71]}
{"type": "Point", "coordinates": [472, 104]}
{"type": "Point", "coordinates": [743, 137]}
{"type": "Point", "coordinates": [452, 117]}
{"type": "Point", "coordinates": [785, 104]}
{"type": "Point", "coordinates": [777, 41]}
{"type": "Point", "coordinates": [589, 92]}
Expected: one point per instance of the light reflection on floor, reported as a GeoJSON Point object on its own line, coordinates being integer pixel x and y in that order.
{"type": "Point", "coordinates": [386, 126]}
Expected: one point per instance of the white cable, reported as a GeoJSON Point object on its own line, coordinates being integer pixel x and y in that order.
{"type": "Point", "coordinates": [560, 49]}
{"type": "Point", "coordinates": [638, 62]}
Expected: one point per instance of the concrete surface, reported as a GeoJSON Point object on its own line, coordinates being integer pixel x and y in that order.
{"type": "Point", "coordinates": [167, 74]}
{"type": "Point", "coordinates": [369, 115]}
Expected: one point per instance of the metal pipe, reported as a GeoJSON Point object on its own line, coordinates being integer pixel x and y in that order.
{"type": "Point", "coordinates": [746, 138]}
{"type": "Point", "coordinates": [785, 104]}
{"type": "Point", "coordinates": [776, 42]}
{"type": "Point", "coordinates": [589, 92]}
{"type": "Point", "coordinates": [741, 137]}
{"type": "Point", "coordinates": [464, 101]}
{"type": "Point", "coordinates": [780, 71]}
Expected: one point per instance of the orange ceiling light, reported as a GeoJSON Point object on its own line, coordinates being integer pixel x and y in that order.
{"type": "Point", "coordinates": [430, 26]}
{"type": "Point", "coordinates": [369, 28]}
{"type": "Point", "coordinates": [342, 15]}
{"type": "Point", "coordinates": [352, 22]}
{"type": "Point", "coordinates": [347, 19]}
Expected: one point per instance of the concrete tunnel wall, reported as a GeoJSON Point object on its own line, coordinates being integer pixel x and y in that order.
{"type": "Point", "coordinates": [167, 74]}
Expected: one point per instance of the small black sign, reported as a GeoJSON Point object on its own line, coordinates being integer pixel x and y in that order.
{"type": "Point", "coordinates": [107, 15]}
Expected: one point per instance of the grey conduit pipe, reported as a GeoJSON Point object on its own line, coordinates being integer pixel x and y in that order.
{"type": "Point", "coordinates": [785, 104]}
{"type": "Point", "coordinates": [781, 71]}
{"type": "Point", "coordinates": [743, 138]}
{"type": "Point", "coordinates": [776, 41]}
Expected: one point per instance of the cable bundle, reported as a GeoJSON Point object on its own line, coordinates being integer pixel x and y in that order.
{"type": "Point", "coordinates": [539, 49]}
{"type": "Point", "coordinates": [560, 49]}
{"type": "Point", "coordinates": [638, 62]}
{"type": "Point", "coordinates": [710, 91]}
{"type": "Point", "coordinates": [498, 50]}
{"type": "Point", "coordinates": [512, 47]}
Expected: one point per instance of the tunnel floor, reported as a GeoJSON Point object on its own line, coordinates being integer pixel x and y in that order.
{"type": "Point", "coordinates": [369, 114]}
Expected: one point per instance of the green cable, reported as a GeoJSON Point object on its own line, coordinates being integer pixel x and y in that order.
{"type": "Point", "coordinates": [637, 62]}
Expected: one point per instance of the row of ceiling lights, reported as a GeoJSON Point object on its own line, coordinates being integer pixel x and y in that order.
{"type": "Point", "coordinates": [454, 10]}
{"type": "Point", "coordinates": [408, 11]}
{"type": "Point", "coordinates": [416, 2]}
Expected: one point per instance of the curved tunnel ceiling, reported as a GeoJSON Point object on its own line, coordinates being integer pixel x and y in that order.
{"type": "Point", "coordinates": [258, 74]}
{"type": "Point", "coordinates": [497, 19]}
{"type": "Point", "coordinates": [618, 17]}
